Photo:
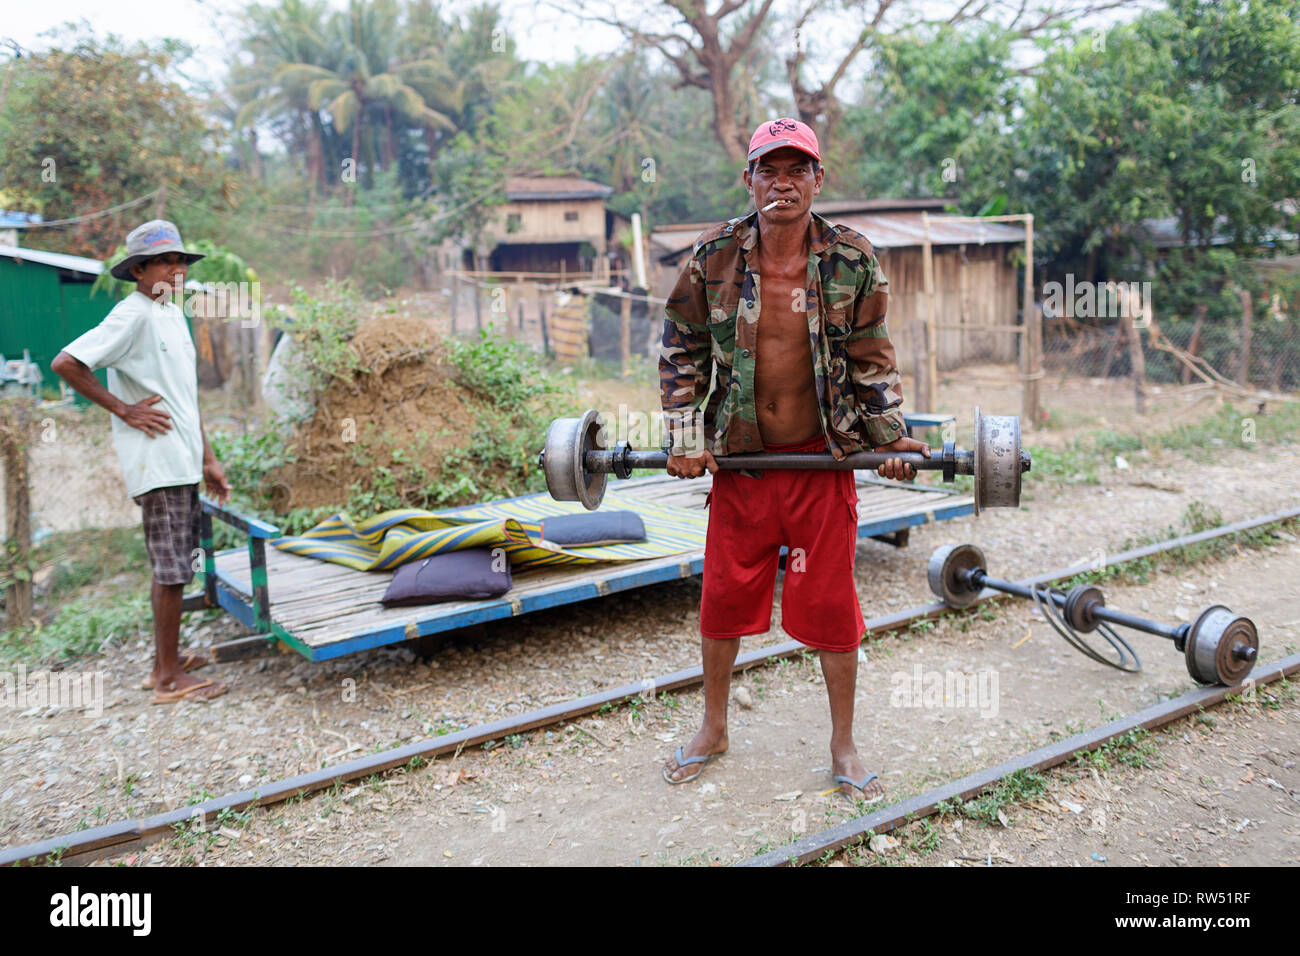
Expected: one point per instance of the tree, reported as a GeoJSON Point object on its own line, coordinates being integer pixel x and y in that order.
{"type": "Point", "coordinates": [293, 32]}
{"type": "Point", "coordinates": [90, 123]}
{"type": "Point", "coordinates": [1191, 113]}
{"type": "Point", "coordinates": [708, 49]}
{"type": "Point", "coordinates": [365, 77]}
{"type": "Point", "coordinates": [470, 180]}
{"type": "Point", "coordinates": [936, 116]}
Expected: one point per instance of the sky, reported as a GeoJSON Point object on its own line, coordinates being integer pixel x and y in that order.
{"type": "Point", "coordinates": [213, 27]}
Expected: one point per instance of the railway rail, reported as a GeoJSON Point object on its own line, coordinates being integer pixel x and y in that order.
{"type": "Point", "coordinates": [87, 845]}
{"type": "Point", "coordinates": [815, 846]}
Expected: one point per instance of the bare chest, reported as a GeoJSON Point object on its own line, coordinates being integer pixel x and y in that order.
{"type": "Point", "coordinates": [783, 314]}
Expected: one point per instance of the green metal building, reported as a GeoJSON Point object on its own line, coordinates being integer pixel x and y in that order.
{"type": "Point", "coordinates": [45, 303]}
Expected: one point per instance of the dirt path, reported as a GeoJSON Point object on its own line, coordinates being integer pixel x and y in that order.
{"type": "Point", "coordinates": [591, 793]}
{"type": "Point", "coordinates": [1221, 788]}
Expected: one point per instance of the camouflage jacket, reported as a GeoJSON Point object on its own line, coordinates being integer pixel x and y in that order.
{"type": "Point", "coordinates": [711, 318]}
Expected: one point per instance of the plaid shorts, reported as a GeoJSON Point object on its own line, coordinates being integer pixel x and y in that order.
{"type": "Point", "coordinates": [171, 531]}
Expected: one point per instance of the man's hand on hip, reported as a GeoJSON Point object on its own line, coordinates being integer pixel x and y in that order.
{"type": "Point", "coordinates": [691, 466]}
{"type": "Point", "coordinates": [142, 415]}
{"type": "Point", "coordinates": [895, 468]}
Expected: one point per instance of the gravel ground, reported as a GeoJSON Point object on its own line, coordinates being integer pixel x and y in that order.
{"type": "Point", "coordinates": [1217, 789]}
{"type": "Point", "coordinates": [590, 792]}
{"type": "Point", "coordinates": [283, 715]}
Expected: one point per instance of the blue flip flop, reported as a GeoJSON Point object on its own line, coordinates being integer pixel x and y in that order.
{"type": "Point", "coordinates": [686, 762]}
{"type": "Point", "coordinates": [861, 785]}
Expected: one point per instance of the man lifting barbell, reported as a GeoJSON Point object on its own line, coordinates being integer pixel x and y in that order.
{"type": "Point", "coordinates": [813, 360]}
{"type": "Point", "coordinates": [805, 367]}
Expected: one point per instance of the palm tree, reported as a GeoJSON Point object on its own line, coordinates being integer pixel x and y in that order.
{"type": "Point", "coordinates": [630, 108]}
{"type": "Point", "coordinates": [292, 33]}
{"type": "Point", "coordinates": [365, 75]}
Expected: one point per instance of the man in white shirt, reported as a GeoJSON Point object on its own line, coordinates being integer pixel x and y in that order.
{"type": "Point", "coordinates": [152, 395]}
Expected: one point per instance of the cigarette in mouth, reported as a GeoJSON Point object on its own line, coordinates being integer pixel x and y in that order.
{"type": "Point", "coordinates": [774, 202]}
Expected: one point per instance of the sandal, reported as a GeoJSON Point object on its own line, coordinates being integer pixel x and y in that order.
{"type": "Point", "coordinates": [191, 692]}
{"type": "Point", "coordinates": [189, 662]}
{"type": "Point", "coordinates": [861, 785]}
{"type": "Point", "coordinates": [687, 761]}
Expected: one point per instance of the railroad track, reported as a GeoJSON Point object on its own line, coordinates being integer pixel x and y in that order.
{"type": "Point", "coordinates": [816, 846]}
{"type": "Point", "coordinates": [87, 845]}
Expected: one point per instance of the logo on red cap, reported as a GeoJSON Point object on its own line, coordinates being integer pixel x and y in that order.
{"type": "Point", "coordinates": [783, 132]}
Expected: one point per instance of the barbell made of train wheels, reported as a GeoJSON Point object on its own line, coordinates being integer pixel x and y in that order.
{"type": "Point", "coordinates": [576, 460]}
{"type": "Point", "coordinates": [567, 442]}
{"type": "Point", "coordinates": [1219, 647]}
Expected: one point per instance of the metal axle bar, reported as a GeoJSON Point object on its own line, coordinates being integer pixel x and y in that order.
{"type": "Point", "coordinates": [622, 459]}
{"type": "Point", "coordinates": [979, 579]}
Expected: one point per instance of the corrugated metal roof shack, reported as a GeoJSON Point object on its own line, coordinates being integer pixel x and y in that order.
{"type": "Point", "coordinates": [45, 303]}
{"type": "Point", "coordinates": [975, 273]}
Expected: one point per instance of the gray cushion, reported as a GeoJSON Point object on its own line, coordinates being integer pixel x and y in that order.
{"type": "Point", "coordinates": [455, 575]}
{"type": "Point", "coordinates": [599, 527]}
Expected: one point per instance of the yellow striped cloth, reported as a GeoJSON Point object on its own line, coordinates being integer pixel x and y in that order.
{"type": "Point", "coordinates": [387, 540]}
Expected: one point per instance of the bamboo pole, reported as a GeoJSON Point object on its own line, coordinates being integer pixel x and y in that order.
{"type": "Point", "coordinates": [1136, 358]}
{"type": "Point", "coordinates": [18, 513]}
{"type": "Point", "coordinates": [1247, 316]}
{"type": "Point", "coordinates": [455, 294]}
{"type": "Point", "coordinates": [625, 332]}
{"type": "Point", "coordinates": [638, 253]}
{"type": "Point", "coordinates": [478, 304]}
{"type": "Point", "coordinates": [931, 335]}
{"type": "Point", "coordinates": [1032, 341]}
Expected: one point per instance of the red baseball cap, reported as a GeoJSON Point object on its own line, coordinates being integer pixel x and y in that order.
{"type": "Point", "coordinates": [783, 132]}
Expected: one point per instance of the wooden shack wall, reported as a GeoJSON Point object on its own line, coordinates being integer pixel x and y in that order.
{"type": "Point", "coordinates": [974, 285]}
{"type": "Point", "coordinates": [543, 221]}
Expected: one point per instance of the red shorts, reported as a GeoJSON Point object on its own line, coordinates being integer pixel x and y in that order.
{"type": "Point", "coordinates": [815, 515]}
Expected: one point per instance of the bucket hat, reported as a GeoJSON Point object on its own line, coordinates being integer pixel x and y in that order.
{"type": "Point", "coordinates": [155, 238]}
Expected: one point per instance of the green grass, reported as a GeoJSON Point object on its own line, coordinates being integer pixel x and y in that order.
{"type": "Point", "coordinates": [926, 841]}
{"type": "Point", "coordinates": [1132, 749]}
{"type": "Point", "coordinates": [80, 628]}
{"type": "Point", "coordinates": [1230, 427]}
{"type": "Point", "coordinates": [1080, 460]}
{"type": "Point", "coordinates": [83, 558]}
{"type": "Point", "coordinates": [1109, 442]}
{"type": "Point", "coordinates": [1019, 787]}
{"type": "Point", "coordinates": [1076, 464]}
{"type": "Point", "coordinates": [1197, 517]}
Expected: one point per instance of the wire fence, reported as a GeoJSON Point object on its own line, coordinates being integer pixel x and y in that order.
{"type": "Point", "coordinates": [1123, 342]}
{"type": "Point", "coordinates": [1258, 351]}
{"type": "Point", "coordinates": [1262, 354]}
{"type": "Point", "coordinates": [567, 317]}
